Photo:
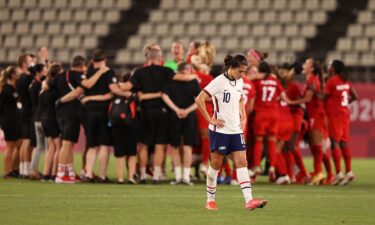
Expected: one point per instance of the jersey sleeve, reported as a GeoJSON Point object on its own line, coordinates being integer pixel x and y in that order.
{"type": "Point", "coordinates": [212, 88]}
{"type": "Point", "coordinates": [169, 73]}
{"type": "Point", "coordinates": [135, 79]}
{"type": "Point", "coordinates": [111, 77]}
{"type": "Point", "coordinates": [167, 89]}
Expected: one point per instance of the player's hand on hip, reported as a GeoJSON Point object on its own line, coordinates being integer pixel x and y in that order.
{"type": "Point", "coordinates": [217, 122]}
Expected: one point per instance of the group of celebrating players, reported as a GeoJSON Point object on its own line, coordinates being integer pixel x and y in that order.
{"type": "Point", "coordinates": [172, 103]}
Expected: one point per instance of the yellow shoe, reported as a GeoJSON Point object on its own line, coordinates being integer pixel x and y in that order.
{"type": "Point", "coordinates": [318, 179]}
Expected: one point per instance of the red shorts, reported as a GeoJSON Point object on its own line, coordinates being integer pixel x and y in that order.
{"type": "Point", "coordinates": [285, 129]}
{"type": "Point", "coordinates": [318, 122]}
{"type": "Point", "coordinates": [202, 122]}
{"type": "Point", "coordinates": [266, 122]}
{"type": "Point", "coordinates": [338, 128]}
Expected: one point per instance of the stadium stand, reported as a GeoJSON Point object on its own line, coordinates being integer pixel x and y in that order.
{"type": "Point", "coordinates": [67, 27]}
{"type": "Point", "coordinates": [279, 26]}
{"type": "Point", "coordinates": [357, 47]}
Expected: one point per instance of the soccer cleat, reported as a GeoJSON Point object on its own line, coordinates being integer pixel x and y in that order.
{"type": "Point", "coordinates": [234, 182]}
{"type": "Point", "coordinates": [329, 180]}
{"type": "Point", "coordinates": [339, 177]}
{"type": "Point", "coordinates": [176, 182]}
{"type": "Point", "coordinates": [185, 182]}
{"type": "Point", "coordinates": [255, 203]}
{"type": "Point", "coordinates": [349, 177]}
{"type": "Point", "coordinates": [64, 180]}
{"type": "Point", "coordinates": [211, 205]}
{"type": "Point", "coordinates": [272, 176]}
{"type": "Point", "coordinates": [317, 179]}
{"type": "Point", "coordinates": [283, 180]}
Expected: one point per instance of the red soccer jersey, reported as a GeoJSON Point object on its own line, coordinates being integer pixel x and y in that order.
{"type": "Point", "coordinates": [294, 91]}
{"type": "Point", "coordinates": [284, 111]}
{"type": "Point", "coordinates": [248, 91]}
{"type": "Point", "coordinates": [204, 79]}
{"type": "Point", "coordinates": [315, 105]}
{"type": "Point", "coordinates": [267, 93]}
{"type": "Point", "coordinates": [338, 94]}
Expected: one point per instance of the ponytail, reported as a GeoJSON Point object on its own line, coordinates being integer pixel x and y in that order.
{"type": "Point", "coordinates": [6, 75]}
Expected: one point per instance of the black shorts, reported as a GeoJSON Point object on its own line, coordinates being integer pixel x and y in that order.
{"type": "Point", "coordinates": [32, 134]}
{"type": "Point", "coordinates": [69, 126]}
{"type": "Point", "coordinates": [183, 131]}
{"type": "Point", "coordinates": [25, 127]}
{"type": "Point", "coordinates": [10, 127]}
{"type": "Point", "coordinates": [50, 127]}
{"type": "Point", "coordinates": [154, 126]}
{"type": "Point", "coordinates": [124, 141]}
{"type": "Point", "coordinates": [98, 132]}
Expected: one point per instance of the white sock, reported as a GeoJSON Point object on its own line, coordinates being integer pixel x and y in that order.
{"type": "Point", "coordinates": [21, 169]}
{"type": "Point", "coordinates": [157, 173]}
{"type": "Point", "coordinates": [187, 174]}
{"type": "Point", "coordinates": [177, 172]}
{"type": "Point", "coordinates": [61, 170]}
{"type": "Point", "coordinates": [26, 167]}
{"type": "Point", "coordinates": [211, 182]}
{"type": "Point", "coordinates": [71, 172]}
{"type": "Point", "coordinates": [244, 181]}
{"type": "Point", "coordinates": [143, 173]}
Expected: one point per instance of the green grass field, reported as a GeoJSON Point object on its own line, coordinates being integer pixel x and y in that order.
{"type": "Point", "coordinates": [32, 202]}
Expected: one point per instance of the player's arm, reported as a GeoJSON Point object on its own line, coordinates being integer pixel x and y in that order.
{"type": "Point", "coordinates": [242, 114]}
{"type": "Point", "coordinates": [185, 77]}
{"type": "Point", "coordinates": [126, 86]}
{"type": "Point", "coordinates": [98, 98]}
{"type": "Point", "coordinates": [201, 103]}
{"type": "Point", "coordinates": [88, 83]}
{"type": "Point", "coordinates": [353, 95]}
{"type": "Point", "coordinates": [115, 89]}
{"type": "Point", "coordinates": [307, 98]}
{"type": "Point", "coordinates": [76, 93]}
{"type": "Point", "coordinates": [170, 103]}
{"type": "Point", "coordinates": [147, 96]}
{"type": "Point", "coordinates": [250, 106]}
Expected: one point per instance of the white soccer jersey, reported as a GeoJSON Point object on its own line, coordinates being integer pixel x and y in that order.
{"type": "Point", "coordinates": [226, 95]}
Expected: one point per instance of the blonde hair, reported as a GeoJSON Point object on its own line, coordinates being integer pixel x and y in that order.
{"type": "Point", "coordinates": [208, 53]}
{"type": "Point", "coordinates": [6, 75]}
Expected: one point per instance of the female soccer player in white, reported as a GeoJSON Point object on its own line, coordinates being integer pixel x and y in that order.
{"type": "Point", "coordinates": [226, 128]}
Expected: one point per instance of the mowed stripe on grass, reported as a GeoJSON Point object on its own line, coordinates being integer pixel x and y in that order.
{"type": "Point", "coordinates": [32, 202]}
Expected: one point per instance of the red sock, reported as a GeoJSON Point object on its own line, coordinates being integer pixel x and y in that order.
{"type": "Point", "coordinates": [318, 158]}
{"type": "Point", "coordinates": [272, 153]}
{"type": "Point", "coordinates": [347, 155]}
{"type": "Point", "coordinates": [299, 160]}
{"type": "Point", "coordinates": [336, 155]}
{"type": "Point", "coordinates": [205, 150]}
{"type": "Point", "coordinates": [327, 163]}
{"type": "Point", "coordinates": [257, 153]}
{"type": "Point", "coordinates": [289, 162]}
{"type": "Point", "coordinates": [249, 157]}
{"type": "Point", "coordinates": [234, 174]}
{"type": "Point", "coordinates": [280, 164]}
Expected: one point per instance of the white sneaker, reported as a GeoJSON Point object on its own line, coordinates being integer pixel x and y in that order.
{"type": "Point", "coordinates": [186, 182]}
{"type": "Point", "coordinates": [176, 182]}
{"type": "Point", "coordinates": [338, 179]}
{"type": "Point", "coordinates": [251, 173]}
{"type": "Point", "coordinates": [234, 182]}
{"type": "Point", "coordinates": [349, 177]}
{"type": "Point", "coordinates": [163, 176]}
{"type": "Point", "coordinates": [283, 180]}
